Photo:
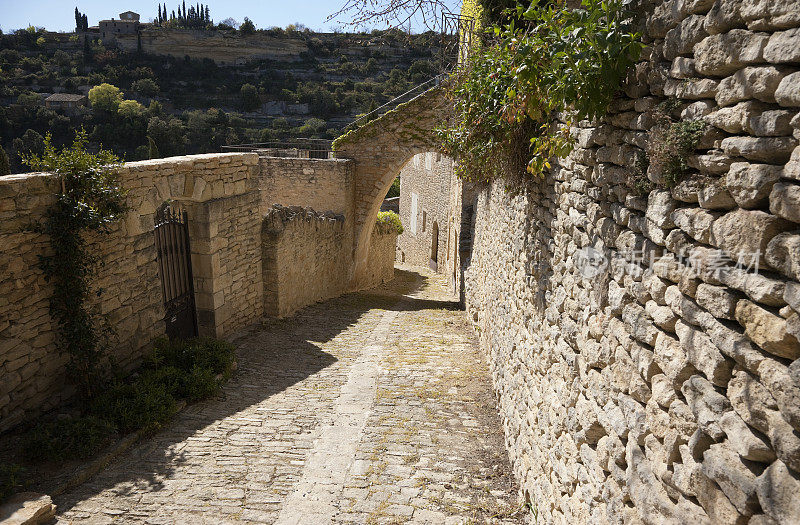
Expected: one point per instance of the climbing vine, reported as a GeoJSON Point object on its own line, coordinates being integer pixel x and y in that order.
{"type": "Point", "coordinates": [550, 61]}
{"type": "Point", "coordinates": [90, 200]}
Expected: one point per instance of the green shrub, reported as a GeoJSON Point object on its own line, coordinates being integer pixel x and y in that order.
{"type": "Point", "coordinates": [146, 403]}
{"type": "Point", "coordinates": [389, 219]}
{"type": "Point", "coordinates": [671, 146]}
{"type": "Point", "coordinates": [64, 439]}
{"type": "Point", "coordinates": [11, 480]}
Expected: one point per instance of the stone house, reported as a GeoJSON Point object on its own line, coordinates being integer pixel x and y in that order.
{"type": "Point", "coordinates": [66, 102]}
{"type": "Point", "coordinates": [424, 200]}
{"type": "Point", "coordinates": [128, 24]}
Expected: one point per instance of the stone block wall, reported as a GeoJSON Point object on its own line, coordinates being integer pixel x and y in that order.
{"type": "Point", "coordinates": [382, 249]}
{"type": "Point", "coordinates": [321, 184]}
{"type": "Point", "coordinates": [428, 176]}
{"type": "Point", "coordinates": [305, 254]}
{"type": "Point", "coordinates": [221, 197]}
{"type": "Point", "coordinates": [669, 392]}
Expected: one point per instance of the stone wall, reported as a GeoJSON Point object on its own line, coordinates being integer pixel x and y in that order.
{"type": "Point", "coordinates": [668, 392]}
{"type": "Point", "coordinates": [428, 176]}
{"type": "Point", "coordinates": [382, 248]}
{"type": "Point", "coordinates": [304, 256]}
{"type": "Point", "coordinates": [322, 184]}
{"type": "Point", "coordinates": [219, 193]}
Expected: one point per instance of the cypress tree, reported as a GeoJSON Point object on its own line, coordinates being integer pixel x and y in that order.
{"type": "Point", "coordinates": [159, 13]}
{"type": "Point", "coordinates": [85, 23]}
{"type": "Point", "coordinates": [152, 149]}
{"type": "Point", "coordinates": [5, 167]}
{"type": "Point", "coordinates": [78, 20]}
{"type": "Point", "coordinates": [208, 15]}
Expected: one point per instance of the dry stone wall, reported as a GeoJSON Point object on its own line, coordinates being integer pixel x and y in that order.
{"type": "Point", "coordinates": [304, 254]}
{"type": "Point", "coordinates": [643, 377]}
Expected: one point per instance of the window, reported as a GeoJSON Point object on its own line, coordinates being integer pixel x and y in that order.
{"type": "Point", "coordinates": [424, 219]}
{"type": "Point", "coordinates": [414, 205]}
{"type": "Point", "coordinates": [429, 161]}
{"type": "Point", "coordinates": [416, 160]}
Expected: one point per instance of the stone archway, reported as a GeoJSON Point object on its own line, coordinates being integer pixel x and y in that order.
{"type": "Point", "coordinates": [380, 149]}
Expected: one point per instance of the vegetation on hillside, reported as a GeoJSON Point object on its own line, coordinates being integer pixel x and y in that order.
{"type": "Point", "coordinates": [189, 106]}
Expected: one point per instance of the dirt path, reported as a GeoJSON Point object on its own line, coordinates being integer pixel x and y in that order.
{"type": "Point", "coordinates": [375, 407]}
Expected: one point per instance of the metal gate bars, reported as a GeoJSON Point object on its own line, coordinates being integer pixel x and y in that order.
{"type": "Point", "coordinates": [175, 267]}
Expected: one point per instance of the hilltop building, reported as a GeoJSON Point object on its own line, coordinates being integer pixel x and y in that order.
{"type": "Point", "coordinates": [128, 24]}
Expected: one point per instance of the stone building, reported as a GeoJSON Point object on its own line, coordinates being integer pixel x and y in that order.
{"type": "Point", "coordinates": [128, 24]}
{"type": "Point", "coordinates": [67, 102]}
{"type": "Point", "coordinates": [424, 203]}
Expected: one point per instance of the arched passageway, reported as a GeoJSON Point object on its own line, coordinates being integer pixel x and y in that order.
{"type": "Point", "coordinates": [380, 148]}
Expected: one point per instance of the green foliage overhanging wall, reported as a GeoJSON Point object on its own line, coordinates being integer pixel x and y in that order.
{"type": "Point", "coordinates": [560, 60]}
{"type": "Point", "coordinates": [90, 200]}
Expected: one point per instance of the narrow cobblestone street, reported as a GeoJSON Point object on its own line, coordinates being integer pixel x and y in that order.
{"type": "Point", "coordinates": [375, 407]}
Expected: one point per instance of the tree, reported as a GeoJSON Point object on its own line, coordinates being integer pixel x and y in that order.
{"type": "Point", "coordinates": [5, 167]}
{"type": "Point", "coordinates": [130, 109]}
{"type": "Point", "coordinates": [78, 21]}
{"type": "Point", "coordinates": [105, 97]}
{"type": "Point", "coordinates": [247, 27]}
{"type": "Point", "coordinates": [394, 13]}
{"type": "Point", "coordinates": [152, 149]}
{"type": "Point", "coordinates": [146, 87]}
{"type": "Point", "coordinates": [250, 99]}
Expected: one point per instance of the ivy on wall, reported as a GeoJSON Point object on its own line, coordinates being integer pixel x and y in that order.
{"type": "Point", "coordinates": [90, 200]}
{"type": "Point", "coordinates": [548, 60]}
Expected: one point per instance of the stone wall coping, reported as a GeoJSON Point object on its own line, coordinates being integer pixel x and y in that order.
{"type": "Point", "coordinates": [297, 160]}
{"type": "Point", "coordinates": [246, 158]}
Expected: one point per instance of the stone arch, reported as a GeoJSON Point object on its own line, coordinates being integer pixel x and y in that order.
{"type": "Point", "coordinates": [380, 149]}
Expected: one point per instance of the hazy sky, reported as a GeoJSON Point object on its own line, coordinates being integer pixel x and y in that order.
{"type": "Point", "coordinates": [59, 15]}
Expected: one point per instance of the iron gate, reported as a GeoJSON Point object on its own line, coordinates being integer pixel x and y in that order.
{"type": "Point", "coordinates": [175, 267]}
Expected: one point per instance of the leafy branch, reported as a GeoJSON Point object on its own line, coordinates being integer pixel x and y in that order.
{"type": "Point", "coordinates": [557, 62]}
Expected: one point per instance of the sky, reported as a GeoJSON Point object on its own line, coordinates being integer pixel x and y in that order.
{"type": "Point", "coordinates": [59, 15]}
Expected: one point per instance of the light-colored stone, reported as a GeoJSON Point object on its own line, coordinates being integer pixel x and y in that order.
{"type": "Point", "coordinates": [27, 508]}
{"type": "Point", "coordinates": [715, 196]}
{"type": "Point", "coordinates": [704, 355]}
{"type": "Point", "coordinates": [751, 82]}
{"type": "Point", "coordinates": [777, 489]}
{"type": "Point", "coordinates": [750, 184]}
{"type": "Point", "coordinates": [770, 150]}
{"type": "Point", "coordinates": [745, 234]}
{"type": "Point", "coordinates": [743, 440]}
{"type": "Point", "coordinates": [736, 480]}
{"type": "Point", "coordinates": [783, 47]}
{"type": "Point", "coordinates": [787, 93]}
{"type": "Point", "coordinates": [718, 300]}
{"type": "Point", "coordinates": [784, 201]}
{"type": "Point", "coordinates": [766, 330]}
{"type": "Point", "coordinates": [783, 253]}
{"type": "Point", "coordinates": [723, 54]}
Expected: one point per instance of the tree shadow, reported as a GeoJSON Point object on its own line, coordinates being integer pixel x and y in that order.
{"type": "Point", "coordinates": [272, 355]}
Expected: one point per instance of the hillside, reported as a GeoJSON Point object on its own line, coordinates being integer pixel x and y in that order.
{"type": "Point", "coordinates": [286, 84]}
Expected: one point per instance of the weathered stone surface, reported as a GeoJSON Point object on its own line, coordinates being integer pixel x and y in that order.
{"type": "Point", "coordinates": [681, 39]}
{"type": "Point", "coordinates": [778, 379]}
{"type": "Point", "coordinates": [771, 150]}
{"type": "Point", "coordinates": [792, 168]}
{"type": "Point", "coordinates": [746, 233]}
{"type": "Point", "coordinates": [715, 162]}
{"type": "Point", "coordinates": [744, 440]}
{"type": "Point", "coordinates": [704, 355]}
{"type": "Point", "coordinates": [27, 508]}
{"type": "Point", "coordinates": [723, 16]}
{"type": "Point", "coordinates": [784, 201]}
{"type": "Point", "coordinates": [715, 196]}
{"type": "Point", "coordinates": [723, 54]}
{"type": "Point", "coordinates": [766, 330]}
{"type": "Point", "coordinates": [777, 489]}
{"type": "Point", "coordinates": [697, 110]}
{"type": "Point", "coordinates": [750, 184]}
{"type": "Point", "coordinates": [783, 47]}
{"type": "Point", "coordinates": [718, 300]}
{"type": "Point", "coordinates": [671, 357]}
{"type": "Point", "coordinates": [707, 405]}
{"type": "Point", "coordinates": [791, 294]}
{"type": "Point", "coordinates": [683, 67]}
{"type": "Point", "coordinates": [751, 82]}
{"type": "Point", "coordinates": [770, 14]}
{"type": "Point", "coordinates": [662, 316]}
{"type": "Point", "coordinates": [771, 123]}
{"type": "Point", "coordinates": [783, 253]}
{"type": "Point", "coordinates": [734, 118]}
{"type": "Point", "coordinates": [696, 222]}
{"type": "Point", "coordinates": [660, 207]}
{"type": "Point", "coordinates": [735, 477]}
{"type": "Point", "coordinates": [788, 91]}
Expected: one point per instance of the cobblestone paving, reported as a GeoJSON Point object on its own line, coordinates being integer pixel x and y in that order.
{"type": "Point", "coordinates": [375, 407]}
